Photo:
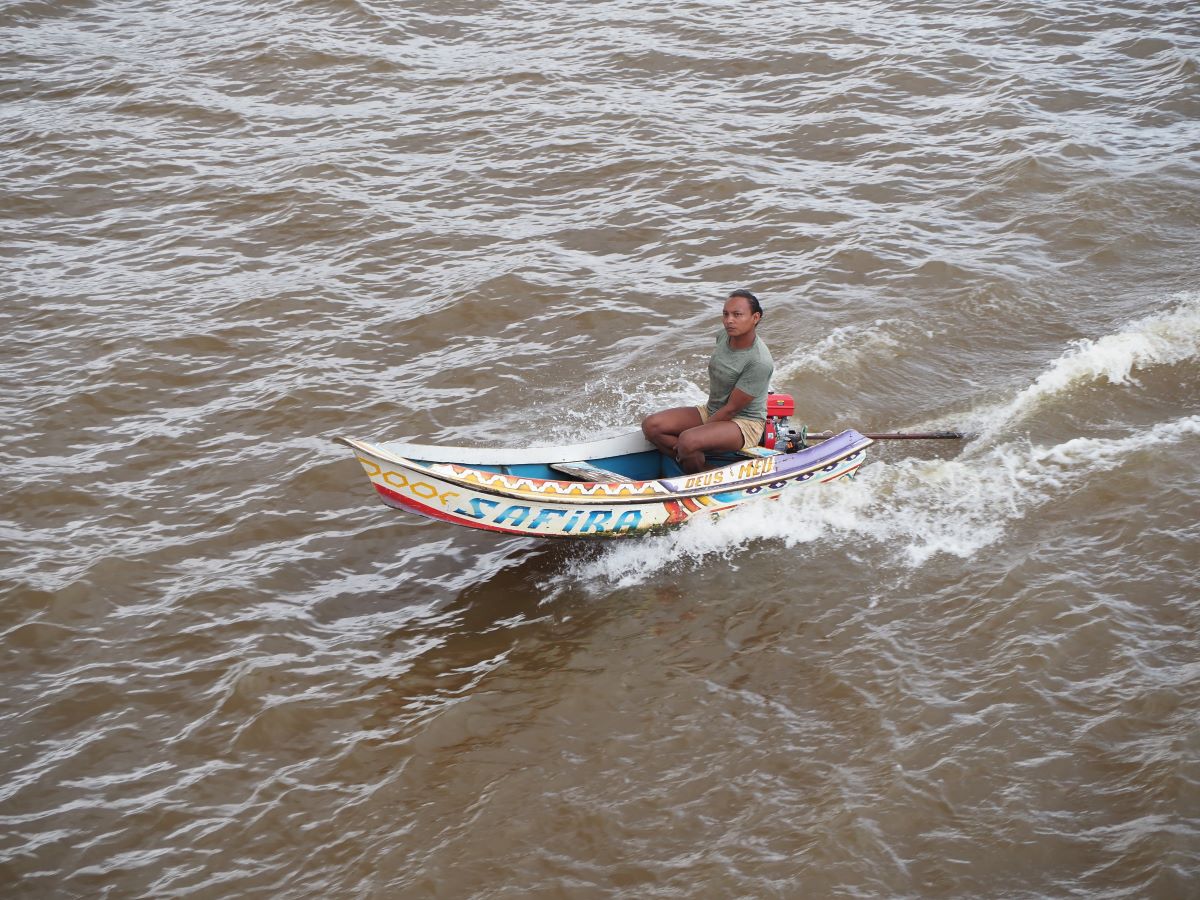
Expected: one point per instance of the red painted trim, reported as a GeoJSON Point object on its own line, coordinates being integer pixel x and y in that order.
{"type": "Point", "coordinates": [679, 509]}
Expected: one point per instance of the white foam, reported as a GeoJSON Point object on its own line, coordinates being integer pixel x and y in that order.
{"type": "Point", "coordinates": [915, 509]}
{"type": "Point", "coordinates": [609, 406]}
{"type": "Point", "coordinates": [1163, 338]}
{"type": "Point", "coordinates": [912, 510]}
{"type": "Point", "coordinates": [847, 347]}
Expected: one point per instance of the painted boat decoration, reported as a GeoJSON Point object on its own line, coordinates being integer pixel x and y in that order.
{"type": "Point", "coordinates": [616, 487]}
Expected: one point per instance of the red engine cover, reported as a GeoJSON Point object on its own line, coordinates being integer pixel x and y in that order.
{"type": "Point", "coordinates": [780, 405]}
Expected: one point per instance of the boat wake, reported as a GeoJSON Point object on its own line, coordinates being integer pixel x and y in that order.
{"type": "Point", "coordinates": [844, 347]}
{"type": "Point", "coordinates": [912, 510]}
{"type": "Point", "coordinates": [1163, 338]}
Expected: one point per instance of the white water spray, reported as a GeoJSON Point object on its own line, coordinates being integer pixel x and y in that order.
{"type": "Point", "coordinates": [844, 348]}
{"type": "Point", "coordinates": [917, 509]}
{"type": "Point", "coordinates": [1163, 338]}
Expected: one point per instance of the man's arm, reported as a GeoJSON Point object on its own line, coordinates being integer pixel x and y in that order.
{"type": "Point", "coordinates": [755, 376]}
{"type": "Point", "coordinates": [738, 400]}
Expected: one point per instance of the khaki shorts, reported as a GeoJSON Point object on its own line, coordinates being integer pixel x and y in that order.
{"type": "Point", "coordinates": [752, 429]}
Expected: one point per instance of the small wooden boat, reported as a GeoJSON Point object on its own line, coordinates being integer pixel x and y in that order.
{"type": "Point", "coordinates": [616, 487]}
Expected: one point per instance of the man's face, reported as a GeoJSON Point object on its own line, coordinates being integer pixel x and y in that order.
{"type": "Point", "coordinates": [737, 318]}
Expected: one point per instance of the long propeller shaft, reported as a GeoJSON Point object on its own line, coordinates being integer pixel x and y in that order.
{"type": "Point", "coordinates": [897, 436]}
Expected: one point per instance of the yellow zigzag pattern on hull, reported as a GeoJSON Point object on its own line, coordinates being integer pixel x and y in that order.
{"type": "Point", "coordinates": [399, 481]}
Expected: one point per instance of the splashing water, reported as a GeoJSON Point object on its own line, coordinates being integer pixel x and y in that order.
{"type": "Point", "coordinates": [1163, 338]}
{"type": "Point", "coordinates": [914, 508]}
{"type": "Point", "coordinates": [844, 347]}
{"type": "Point", "coordinates": [918, 508]}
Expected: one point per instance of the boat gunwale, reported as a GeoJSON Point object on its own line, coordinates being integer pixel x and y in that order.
{"type": "Point", "coordinates": [855, 446]}
{"type": "Point", "coordinates": [624, 444]}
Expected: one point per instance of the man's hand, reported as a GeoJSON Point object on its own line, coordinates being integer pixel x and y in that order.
{"type": "Point", "coordinates": [738, 400]}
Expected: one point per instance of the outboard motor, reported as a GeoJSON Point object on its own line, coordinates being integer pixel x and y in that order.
{"type": "Point", "coordinates": [779, 434]}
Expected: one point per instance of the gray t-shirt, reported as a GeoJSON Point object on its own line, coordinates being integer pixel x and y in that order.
{"type": "Point", "coordinates": [748, 370]}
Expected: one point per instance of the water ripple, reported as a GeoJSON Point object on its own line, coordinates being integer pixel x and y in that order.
{"type": "Point", "coordinates": [234, 232]}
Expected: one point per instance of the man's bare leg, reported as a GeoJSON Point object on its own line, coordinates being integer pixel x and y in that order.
{"type": "Point", "coordinates": [682, 435]}
{"type": "Point", "coordinates": [724, 437]}
{"type": "Point", "coordinates": [663, 428]}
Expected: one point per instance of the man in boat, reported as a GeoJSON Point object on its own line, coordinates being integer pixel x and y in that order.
{"type": "Point", "coordinates": [739, 374]}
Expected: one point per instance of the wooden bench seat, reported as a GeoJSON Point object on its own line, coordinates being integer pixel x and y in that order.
{"type": "Point", "coordinates": [585, 471]}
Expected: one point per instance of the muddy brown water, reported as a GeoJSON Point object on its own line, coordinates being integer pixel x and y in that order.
{"type": "Point", "coordinates": [232, 232]}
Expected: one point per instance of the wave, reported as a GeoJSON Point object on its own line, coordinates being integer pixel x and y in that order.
{"type": "Point", "coordinates": [918, 508]}
{"type": "Point", "coordinates": [1164, 338]}
{"type": "Point", "coordinates": [845, 347]}
{"type": "Point", "coordinates": [913, 509]}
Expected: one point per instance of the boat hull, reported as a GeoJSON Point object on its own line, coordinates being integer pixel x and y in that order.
{"type": "Point", "coordinates": [500, 501]}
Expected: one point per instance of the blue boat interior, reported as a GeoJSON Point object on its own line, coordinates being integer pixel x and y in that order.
{"type": "Point", "coordinates": [645, 466]}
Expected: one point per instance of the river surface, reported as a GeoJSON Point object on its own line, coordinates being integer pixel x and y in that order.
{"type": "Point", "coordinates": [231, 232]}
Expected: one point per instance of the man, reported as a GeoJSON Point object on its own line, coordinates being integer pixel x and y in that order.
{"type": "Point", "coordinates": [739, 374]}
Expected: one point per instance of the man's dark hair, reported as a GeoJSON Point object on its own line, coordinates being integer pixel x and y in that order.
{"type": "Point", "coordinates": [755, 306]}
